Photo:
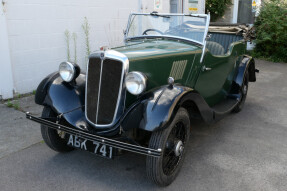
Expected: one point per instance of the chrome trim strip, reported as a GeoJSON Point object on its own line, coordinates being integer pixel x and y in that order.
{"type": "Point", "coordinates": [173, 14]}
{"type": "Point", "coordinates": [205, 34]}
{"type": "Point", "coordinates": [128, 26]}
{"type": "Point", "coordinates": [99, 92]}
{"type": "Point", "coordinates": [164, 36]}
{"type": "Point", "coordinates": [93, 137]}
{"type": "Point", "coordinates": [207, 16]}
{"type": "Point", "coordinates": [114, 55]}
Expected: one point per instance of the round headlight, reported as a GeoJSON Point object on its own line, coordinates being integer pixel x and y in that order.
{"type": "Point", "coordinates": [135, 82]}
{"type": "Point", "coordinates": [68, 71]}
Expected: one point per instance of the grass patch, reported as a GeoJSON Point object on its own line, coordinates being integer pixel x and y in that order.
{"type": "Point", "coordinates": [16, 105]}
{"type": "Point", "coordinates": [13, 104]}
{"type": "Point", "coordinates": [9, 103]}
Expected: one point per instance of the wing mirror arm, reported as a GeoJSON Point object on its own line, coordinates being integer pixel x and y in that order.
{"type": "Point", "coordinates": [208, 37]}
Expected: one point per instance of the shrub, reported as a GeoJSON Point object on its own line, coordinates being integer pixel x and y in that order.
{"type": "Point", "coordinates": [271, 31]}
{"type": "Point", "coordinates": [67, 38]}
{"type": "Point", "coordinates": [216, 8]}
{"type": "Point", "coordinates": [74, 36]}
{"type": "Point", "coordinates": [86, 27]}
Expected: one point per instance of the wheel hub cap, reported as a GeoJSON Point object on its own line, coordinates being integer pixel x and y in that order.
{"type": "Point", "coordinates": [178, 149]}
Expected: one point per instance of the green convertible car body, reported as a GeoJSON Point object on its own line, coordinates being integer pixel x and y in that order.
{"type": "Point", "coordinates": [141, 97]}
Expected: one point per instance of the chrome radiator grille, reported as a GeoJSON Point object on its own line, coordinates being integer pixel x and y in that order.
{"type": "Point", "coordinates": [103, 90]}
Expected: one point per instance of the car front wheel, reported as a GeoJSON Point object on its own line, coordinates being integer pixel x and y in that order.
{"type": "Point", "coordinates": [173, 141]}
{"type": "Point", "coordinates": [53, 138]}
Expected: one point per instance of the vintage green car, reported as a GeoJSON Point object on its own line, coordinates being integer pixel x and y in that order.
{"type": "Point", "coordinates": [143, 96]}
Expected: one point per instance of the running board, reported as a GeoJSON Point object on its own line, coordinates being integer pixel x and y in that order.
{"type": "Point", "coordinates": [225, 106]}
{"type": "Point", "coordinates": [92, 137]}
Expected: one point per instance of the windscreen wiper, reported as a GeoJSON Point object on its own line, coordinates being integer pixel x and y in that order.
{"type": "Point", "coordinates": [155, 13]}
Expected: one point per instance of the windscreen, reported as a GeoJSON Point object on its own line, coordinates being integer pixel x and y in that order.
{"type": "Point", "coordinates": [178, 26]}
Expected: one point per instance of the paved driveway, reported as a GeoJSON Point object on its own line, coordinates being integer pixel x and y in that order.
{"type": "Point", "coordinates": [245, 151]}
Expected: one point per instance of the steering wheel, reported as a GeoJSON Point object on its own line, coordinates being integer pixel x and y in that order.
{"type": "Point", "coordinates": [148, 30]}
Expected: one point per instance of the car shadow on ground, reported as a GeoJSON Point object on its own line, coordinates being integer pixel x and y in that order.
{"type": "Point", "coordinates": [125, 171]}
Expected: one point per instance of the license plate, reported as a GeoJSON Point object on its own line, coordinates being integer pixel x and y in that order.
{"type": "Point", "coordinates": [91, 146]}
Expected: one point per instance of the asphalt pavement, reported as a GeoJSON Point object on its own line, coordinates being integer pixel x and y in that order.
{"type": "Point", "coordinates": [244, 151]}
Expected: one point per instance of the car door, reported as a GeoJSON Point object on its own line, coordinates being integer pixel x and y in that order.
{"type": "Point", "coordinates": [215, 77]}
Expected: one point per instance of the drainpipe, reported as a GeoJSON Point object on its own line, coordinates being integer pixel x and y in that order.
{"type": "Point", "coordinates": [139, 6]}
{"type": "Point", "coordinates": [6, 79]}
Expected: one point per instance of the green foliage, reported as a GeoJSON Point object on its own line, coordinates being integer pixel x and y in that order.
{"type": "Point", "coordinates": [74, 36]}
{"type": "Point", "coordinates": [9, 103]}
{"type": "Point", "coordinates": [67, 38]}
{"type": "Point", "coordinates": [271, 31]}
{"type": "Point", "coordinates": [34, 92]}
{"type": "Point", "coordinates": [16, 105]}
{"type": "Point", "coordinates": [216, 8]}
{"type": "Point", "coordinates": [86, 28]}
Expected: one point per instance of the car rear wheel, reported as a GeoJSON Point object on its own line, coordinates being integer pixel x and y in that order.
{"type": "Point", "coordinates": [173, 141]}
{"type": "Point", "coordinates": [243, 92]}
{"type": "Point", "coordinates": [53, 138]}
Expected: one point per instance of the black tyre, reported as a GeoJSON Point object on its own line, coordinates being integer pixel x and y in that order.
{"type": "Point", "coordinates": [243, 91]}
{"type": "Point", "coordinates": [173, 141]}
{"type": "Point", "coordinates": [53, 138]}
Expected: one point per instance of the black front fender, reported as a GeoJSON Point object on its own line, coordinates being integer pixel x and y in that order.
{"type": "Point", "coordinates": [43, 87]}
{"type": "Point", "coordinates": [159, 107]}
{"type": "Point", "coordinates": [152, 111]}
{"type": "Point", "coordinates": [66, 99]}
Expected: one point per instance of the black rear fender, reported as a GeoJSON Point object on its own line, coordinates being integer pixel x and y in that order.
{"type": "Point", "coordinates": [247, 64]}
{"type": "Point", "coordinates": [252, 70]}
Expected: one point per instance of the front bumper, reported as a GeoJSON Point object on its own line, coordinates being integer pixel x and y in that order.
{"type": "Point", "coordinates": [92, 137]}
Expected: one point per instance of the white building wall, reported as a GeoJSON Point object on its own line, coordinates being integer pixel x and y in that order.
{"type": "Point", "coordinates": [6, 80]}
{"type": "Point", "coordinates": [200, 6]}
{"type": "Point", "coordinates": [36, 33]}
{"type": "Point", "coordinates": [147, 6]}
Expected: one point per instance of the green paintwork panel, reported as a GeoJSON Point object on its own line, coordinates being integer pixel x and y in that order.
{"type": "Point", "coordinates": [215, 84]}
{"type": "Point", "coordinates": [150, 49]}
{"type": "Point", "coordinates": [160, 59]}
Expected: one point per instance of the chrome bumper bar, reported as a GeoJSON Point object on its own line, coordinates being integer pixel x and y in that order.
{"type": "Point", "coordinates": [92, 137]}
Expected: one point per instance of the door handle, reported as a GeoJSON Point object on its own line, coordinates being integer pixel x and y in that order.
{"type": "Point", "coordinates": [204, 68]}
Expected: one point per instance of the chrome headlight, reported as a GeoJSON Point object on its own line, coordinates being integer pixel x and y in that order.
{"type": "Point", "coordinates": [69, 71]}
{"type": "Point", "coordinates": [135, 82]}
